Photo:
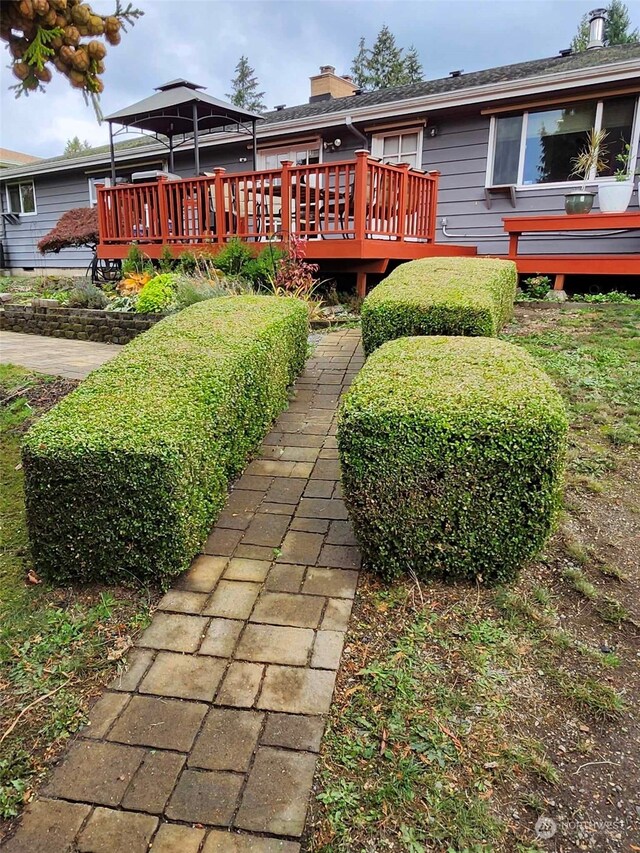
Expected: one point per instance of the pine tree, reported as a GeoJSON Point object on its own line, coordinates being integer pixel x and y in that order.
{"type": "Point", "coordinates": [413, 66]}
{"type": "Point", "coordinates": [616, 28]}
{"type": "Point", "coordinates": [360, 65]}
{"type": "Point", "coordinates": [386, 65]}
{"type": "Point", "coordinates": [245, 92]}
{"type": "Point", "coordinates": [75, 147]}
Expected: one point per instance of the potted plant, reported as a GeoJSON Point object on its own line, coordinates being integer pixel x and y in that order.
{"type": "Point", "coordinates": [614, 197]}
{"type": "Point", "coordinates": [590, 159]}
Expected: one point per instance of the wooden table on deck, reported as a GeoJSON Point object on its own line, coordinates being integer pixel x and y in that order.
{"type": "Point", "coordinates": [561, 265]}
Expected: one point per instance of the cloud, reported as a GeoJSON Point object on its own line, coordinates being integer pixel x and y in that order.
{"type": "Point", "coordinates": [286, 42]}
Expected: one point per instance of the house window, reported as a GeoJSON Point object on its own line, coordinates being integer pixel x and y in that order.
{"type": "Point", "coordinates": [538, 146]}
{"type": "Point", "coordinates": [304, 156]}
{"type": "Point", "coordinates": [93, 194]}
{"type": "Point", "coordinates": [21, 198]}
{"type": "Point", "coordinates": [399, 147]}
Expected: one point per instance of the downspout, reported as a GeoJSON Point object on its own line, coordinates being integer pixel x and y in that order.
{"type": "Point", "coordinates": [348, 121]}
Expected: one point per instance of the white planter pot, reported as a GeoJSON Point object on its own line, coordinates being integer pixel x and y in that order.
{"type": "Point", "coordinates": [615, 197]}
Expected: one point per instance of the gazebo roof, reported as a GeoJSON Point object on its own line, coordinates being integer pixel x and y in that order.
{"type": "Point", "coordinates": [170, 111]}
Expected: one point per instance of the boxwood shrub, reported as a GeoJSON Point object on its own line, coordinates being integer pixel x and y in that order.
{"type": "Point", "coordinates": [124, 477]}
{"type": "Point", "coordinates": [452, 453]}
{"type": "Point", "coordinates": [440, 296]}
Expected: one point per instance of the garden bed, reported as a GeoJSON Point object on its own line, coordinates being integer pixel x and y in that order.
{"type": "Point", "coordinates": [465, 716]}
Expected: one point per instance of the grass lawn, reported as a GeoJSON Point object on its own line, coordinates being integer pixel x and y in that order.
{"type": "Point", "coordinates": [57, 646]}
{"type": "Point", "coordinates": [465, 716]}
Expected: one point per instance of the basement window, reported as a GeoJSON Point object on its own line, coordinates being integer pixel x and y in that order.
{"type": "Point", "coordinates": [21, 198]}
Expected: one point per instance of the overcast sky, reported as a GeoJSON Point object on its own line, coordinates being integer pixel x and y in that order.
{"type": "Point", "coordinates": [286, 41]}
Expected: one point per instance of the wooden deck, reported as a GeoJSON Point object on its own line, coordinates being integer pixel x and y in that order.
{"type": "Point", "coordinates": [561, 265]}
{"type": "Point", "coordinates": [355, 215]}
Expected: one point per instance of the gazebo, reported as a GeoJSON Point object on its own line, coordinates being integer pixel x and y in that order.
{"type": "Point", "coordinates": [181, 109]}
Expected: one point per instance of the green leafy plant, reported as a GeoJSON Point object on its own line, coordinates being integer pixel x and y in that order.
{"type": "Point", "coordinates": [158, 295]}
{"type": "Point", "coordinates": [440, 296]}
{"type": "Point", "coordinates": [452, 455]}
{"type": "Point", "coordinates": [623, 159]}
{"type": "Point", "coordinates": [125, 476]}
{"type": "Point", "coordinates": [592, 157]}
{"type": "Point", "coordinates": [123, 303]}
{"type": "Point", "coordinates": [87, 295]}
{"type": "Point", "coordinates": [136, 263]}
{"type": "Point", "coordinates": [167, 262]}
{"type": "Point", "coordinates": [615, 296]}
{"type": "Point", "coordinates": [536, 286]}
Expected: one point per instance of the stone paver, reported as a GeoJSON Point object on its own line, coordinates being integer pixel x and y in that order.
{"type": "Point", "coordinates": [227, 740]}
{"type": "Point", "coordinates": [108, 830]}
{"type": "Point", "coordinates": [56, 356]}
{"type": "Point", "coordinates": [275, 799]}
{"type": "Point", "coordinates": [184, 676]}
{"type": "Point", "coordinates": [163, 723]}
{"type": "Point", "coordinates": [206, 740]}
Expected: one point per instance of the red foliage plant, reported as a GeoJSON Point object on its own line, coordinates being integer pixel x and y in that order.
{"type": "Point", "coordinates": [77, 227]}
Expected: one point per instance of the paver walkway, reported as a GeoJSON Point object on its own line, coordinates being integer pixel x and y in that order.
{"type": "Point", "coordinates": [57, 356]}
{"type": "Point", "coordinates": [208, 741]}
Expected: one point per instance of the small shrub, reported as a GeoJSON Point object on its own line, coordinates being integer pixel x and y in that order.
{"type": "Point", "coordinates": [87, 295]}
{"type": "Point", "coordinates": [536, 286]}
{"type": "Point", "coordinates": [122, 303]}
{"type": "Point", "coordinates": [452, 452]}
{"type": "Point", "coordinates": [187, 263]}
{"type": "Point", "coordinates": [440, 296]}
{"type": "Point", "coordinates": [157, 295]}
{"type": "Point", "coordinates": [125, 476]}
{"type": "Point", "coordinates": [136, 262]}
{"type": "Point", "coordinates": [167, 262]}
{"type": "Point", "coordinates": [233, 258]}
{"type": "Point", "coordinates": [190, 290]}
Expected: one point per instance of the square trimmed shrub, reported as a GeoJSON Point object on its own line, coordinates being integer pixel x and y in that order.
{"type": "Point", "coordinates": [440, 296]}
{"type": "Point", "coordinates": [124, 477]}
{"type": "Point", "coordinates": [452, 452]}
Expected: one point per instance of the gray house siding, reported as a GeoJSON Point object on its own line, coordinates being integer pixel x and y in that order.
{"type": "Point", "coordinates": [460, 151]}
{"type": "Point", "coordinates": [54, 194]}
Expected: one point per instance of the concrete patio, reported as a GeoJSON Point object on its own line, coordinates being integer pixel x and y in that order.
{"type": "Point", "coordinates": [56, 356]}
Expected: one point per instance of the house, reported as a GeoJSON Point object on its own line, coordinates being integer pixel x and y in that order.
{"type": "Point", "coordinates": [501, 139]}
{"type": "Point", "coordinates": [9, 159]}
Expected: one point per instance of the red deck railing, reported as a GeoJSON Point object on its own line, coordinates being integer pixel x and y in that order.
{"type": "Point", "coordinates": [351, 199]}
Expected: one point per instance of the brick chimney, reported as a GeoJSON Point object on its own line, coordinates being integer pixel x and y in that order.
{"type": "Point", "coordinates": [327, 84]}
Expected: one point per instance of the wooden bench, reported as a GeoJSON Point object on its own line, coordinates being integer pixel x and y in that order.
{"type": "Point", "coordinates": [562, 265]}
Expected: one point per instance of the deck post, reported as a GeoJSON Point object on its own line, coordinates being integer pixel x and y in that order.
{"type": "Point", "coordinates": [360, 194]}
{"type": "Point", "coordinates": [433, 206]}
{"type": "Point", "coordinates": [286, 207]}
{"type": "Point", "coordinates": [402, 200]}
{"type": "Point", "coordinates": [196, 146]}
{"type": "Point", "coordinates": [112, 154]}
{"type": "Point", "coordinates": [219, 203]}
{"type": "Point", "coordinates": [361, 284]}
{"type": "Point", "coordinates": [558, 283]}
{"type": "Point", "coordinates": [163, 209]}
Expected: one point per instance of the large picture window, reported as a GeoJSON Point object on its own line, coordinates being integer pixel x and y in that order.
{"type": "Point", "coordinates": [21, 198]}
{"type": "Point", "coordinates": [538, 146]}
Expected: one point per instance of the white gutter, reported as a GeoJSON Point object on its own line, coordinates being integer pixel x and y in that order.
{"type": "Point", "coordinates": [508, 89]}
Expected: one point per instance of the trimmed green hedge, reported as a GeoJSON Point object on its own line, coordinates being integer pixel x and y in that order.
{"type": "Point", "coordinates": [440, 296]}
{"type": "Point", "coordinates": [452, 453]}
{"type": "Point", "coordinates": [124, 476]}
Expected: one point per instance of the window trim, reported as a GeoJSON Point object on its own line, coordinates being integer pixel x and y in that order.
{"type": "Point", "coordinates": [519, 185]}
{"type": "Point", "coordinates": [377, 141]}
{"type": "Point", "coordinates": [93, 195]}
{"type": "Point", "coordinates": [20, 212]}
